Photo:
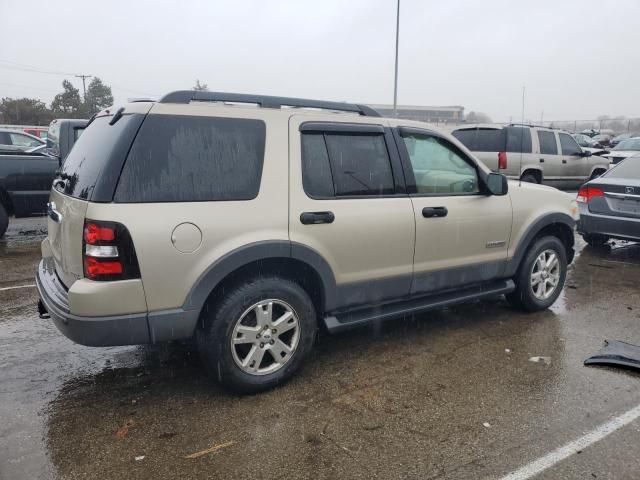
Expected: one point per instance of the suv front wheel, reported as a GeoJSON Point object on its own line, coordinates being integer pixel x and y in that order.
{"type": "Point", "coordinates": [541, 275]}
{"type": "Point", "coordinates": [258, 335]}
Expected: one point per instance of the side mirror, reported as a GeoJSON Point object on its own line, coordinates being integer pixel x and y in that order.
{"type": "Point", "coordinates": [497, 184]}
{"type": "Point", "coordinates": [586, 153]}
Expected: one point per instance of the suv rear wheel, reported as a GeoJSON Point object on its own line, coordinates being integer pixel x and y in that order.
{"type": "Point", "coordinates": [258, 335]}
{"type": "Point", "coordinates": [529, 178]}
{"type": "Point", "coordinates": [541, 275]}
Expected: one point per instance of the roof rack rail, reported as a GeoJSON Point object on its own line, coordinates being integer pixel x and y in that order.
{"type": "Point", "coordinates": [265, 101]}
{"type": "Point", "coordinates": [516, 124]}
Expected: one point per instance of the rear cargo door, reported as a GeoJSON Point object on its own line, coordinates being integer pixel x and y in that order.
{"type": "Point", "coordinates": [89, 174]}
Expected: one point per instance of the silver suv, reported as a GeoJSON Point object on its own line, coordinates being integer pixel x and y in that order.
{"type": "Point", "coordinates": [533, 154]}
{"type": "Point", "coordinates": [251, 222]}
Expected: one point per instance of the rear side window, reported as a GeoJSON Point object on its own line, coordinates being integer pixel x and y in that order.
{"type": "Point", "coordinates": [518, 140]}
{"type": "Point", "coordinates": [548, 143]}
{"type": "Point", "coordinates": [193, 159]}
{"type": "Point", "coordinates": [482, 139]}
{"type": "Point", "coordinates": [360, 164]}
{"type": "Point", "coordinates": [316, 171]}
{"type": "Point", "coordinates": [569, 145]}
{"type": "Point", "coordinates": [345, 164]}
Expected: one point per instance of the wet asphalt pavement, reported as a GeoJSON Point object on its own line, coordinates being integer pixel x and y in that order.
{"type": "Point", "coordinates": [450, 394]}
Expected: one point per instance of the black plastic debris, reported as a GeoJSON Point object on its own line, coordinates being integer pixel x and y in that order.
{"type": "Point", "coordinates": [617, 354]}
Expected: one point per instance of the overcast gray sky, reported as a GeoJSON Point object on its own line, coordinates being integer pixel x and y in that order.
{"type": "Point", "coordinates": [578, 58]}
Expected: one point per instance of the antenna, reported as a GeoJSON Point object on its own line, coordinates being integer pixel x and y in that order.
{"type": "Point", "coordinates": [521, 141]}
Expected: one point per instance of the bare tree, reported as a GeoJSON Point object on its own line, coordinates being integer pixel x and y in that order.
{"type": "Point", "coordinates": [200, 87]}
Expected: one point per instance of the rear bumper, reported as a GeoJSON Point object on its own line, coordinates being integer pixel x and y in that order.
{"type": "Point", "coordinates": [90, 331]}
{"type": "Point", "coordinates": [616, 227]}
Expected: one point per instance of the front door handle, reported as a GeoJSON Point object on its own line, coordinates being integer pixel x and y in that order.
{"type": "Point", "coordinates": [430, 212]}
{"type": "Point", "coordinates": [313, 218]}
{"type": "Point", "coordinates": [542, 160]}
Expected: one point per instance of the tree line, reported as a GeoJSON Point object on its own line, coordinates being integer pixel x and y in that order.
{"type": "Point", "coordinates": [66, 104]}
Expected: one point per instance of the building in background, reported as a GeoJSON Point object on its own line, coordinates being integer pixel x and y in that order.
{"type": "Point", "coordinates": [450, 114]}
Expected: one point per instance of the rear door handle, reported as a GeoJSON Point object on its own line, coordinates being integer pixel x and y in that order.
{"type": "Point", "coordinates": [430, 212]}
{"type": "Point", "coordinates": [313, 218]}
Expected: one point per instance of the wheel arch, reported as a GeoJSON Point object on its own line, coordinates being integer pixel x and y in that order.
{"type": "Point", "coordinates": [556, 224]}
{"type": "Point", "coordinates": [536, 172]}
{"type": "Point", "coordinates": [287, 259]}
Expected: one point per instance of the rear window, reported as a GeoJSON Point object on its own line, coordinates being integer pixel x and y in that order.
{"type": "Point", "coordinates": [627, 169]}
{"type": "Point", "coordinates": [192, 159]}
{"type": "Point", "coordinates": [518, 140]}
{"type": "Point", "coordinates": [98, 150]}
{"type": "Point", "coordinates": [346, 164]}
{"type": "Point", "coordinates": [482, 139]}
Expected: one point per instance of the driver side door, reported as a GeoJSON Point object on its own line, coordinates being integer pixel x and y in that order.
{"type": "Point", "coordinates": [462, 234]}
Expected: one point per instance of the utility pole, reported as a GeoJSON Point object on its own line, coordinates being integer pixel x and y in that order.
{"type": "Point", "coordinates": [395, 80]}
{"type": "Point", "coordinates": [84, 87]}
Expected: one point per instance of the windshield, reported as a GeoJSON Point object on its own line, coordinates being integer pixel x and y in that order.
{"type": "Point", "coordinates": [629, 144]}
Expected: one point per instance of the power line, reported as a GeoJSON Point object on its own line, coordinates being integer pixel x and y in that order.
{"type": "Point", "coordinates": [23, 67]}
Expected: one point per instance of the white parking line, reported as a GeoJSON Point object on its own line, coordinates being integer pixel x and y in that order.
{"type": "Point", "coordinates": [556, 456]}
{"type": "Point", "coordinates": [13, 288]}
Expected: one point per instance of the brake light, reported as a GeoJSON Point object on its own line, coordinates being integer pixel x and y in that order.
{"type": "Point", "coordinates": [94, 233]}
{"type": "Point", "coordinates": [502, 160]}
{"type": "Point", "coordinates": [108, 252]}
{"type": "Point", "coordinates": [586, 193]}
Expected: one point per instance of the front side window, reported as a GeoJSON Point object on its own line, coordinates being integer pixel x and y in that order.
{"type": "Point", "coordinates": [439, 167]}
{"type": "Point", "coordinates": [548, 145]}
{"type": "Point", "coordinates": [178, 158]}
{"type": "Point", "coordinates": [569, 145]}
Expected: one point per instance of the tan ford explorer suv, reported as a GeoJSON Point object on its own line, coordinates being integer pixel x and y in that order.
{"type": "Point", "coordinates": [250, 222]}
{"type": "Point", "coordinates": [533, 154]}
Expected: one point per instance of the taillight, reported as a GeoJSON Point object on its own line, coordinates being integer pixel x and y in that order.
{"type": "Point", "coordinates": [586, 193]}
{"type": "Point", "coordinates": [502, 160]}
{"type": "Point", "coordinates": [108, 252]}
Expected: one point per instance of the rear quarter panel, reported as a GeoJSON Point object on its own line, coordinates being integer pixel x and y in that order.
{"type": "Point", "coordinates": [167, 274]}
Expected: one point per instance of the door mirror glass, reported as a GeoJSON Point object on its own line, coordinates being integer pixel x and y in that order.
{"type": "Point", "coordinates": [497, 184]}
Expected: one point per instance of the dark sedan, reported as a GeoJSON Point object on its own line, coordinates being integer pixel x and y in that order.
{"type": "Point", "coordinates": [610, 204]}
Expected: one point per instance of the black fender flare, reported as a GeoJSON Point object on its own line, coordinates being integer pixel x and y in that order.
{"type": "Point", "coordinates": [247, 254]}
{"type": "Point", "coordinates": [531, 232]}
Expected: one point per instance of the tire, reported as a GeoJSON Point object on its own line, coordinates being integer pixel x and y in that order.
{"type": "Point", "coordinates": [234, 315]}
{"type": "Point", "coordinates": [523, 296]}
{"type": "Point", "coordinates": [596, 174]}
{"type": "Point", "coordinates": [529, 178]}
{"type": "Point", "coordinates": [4, 220]}
{"type": "Point", "coordinates": [595, 239]}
